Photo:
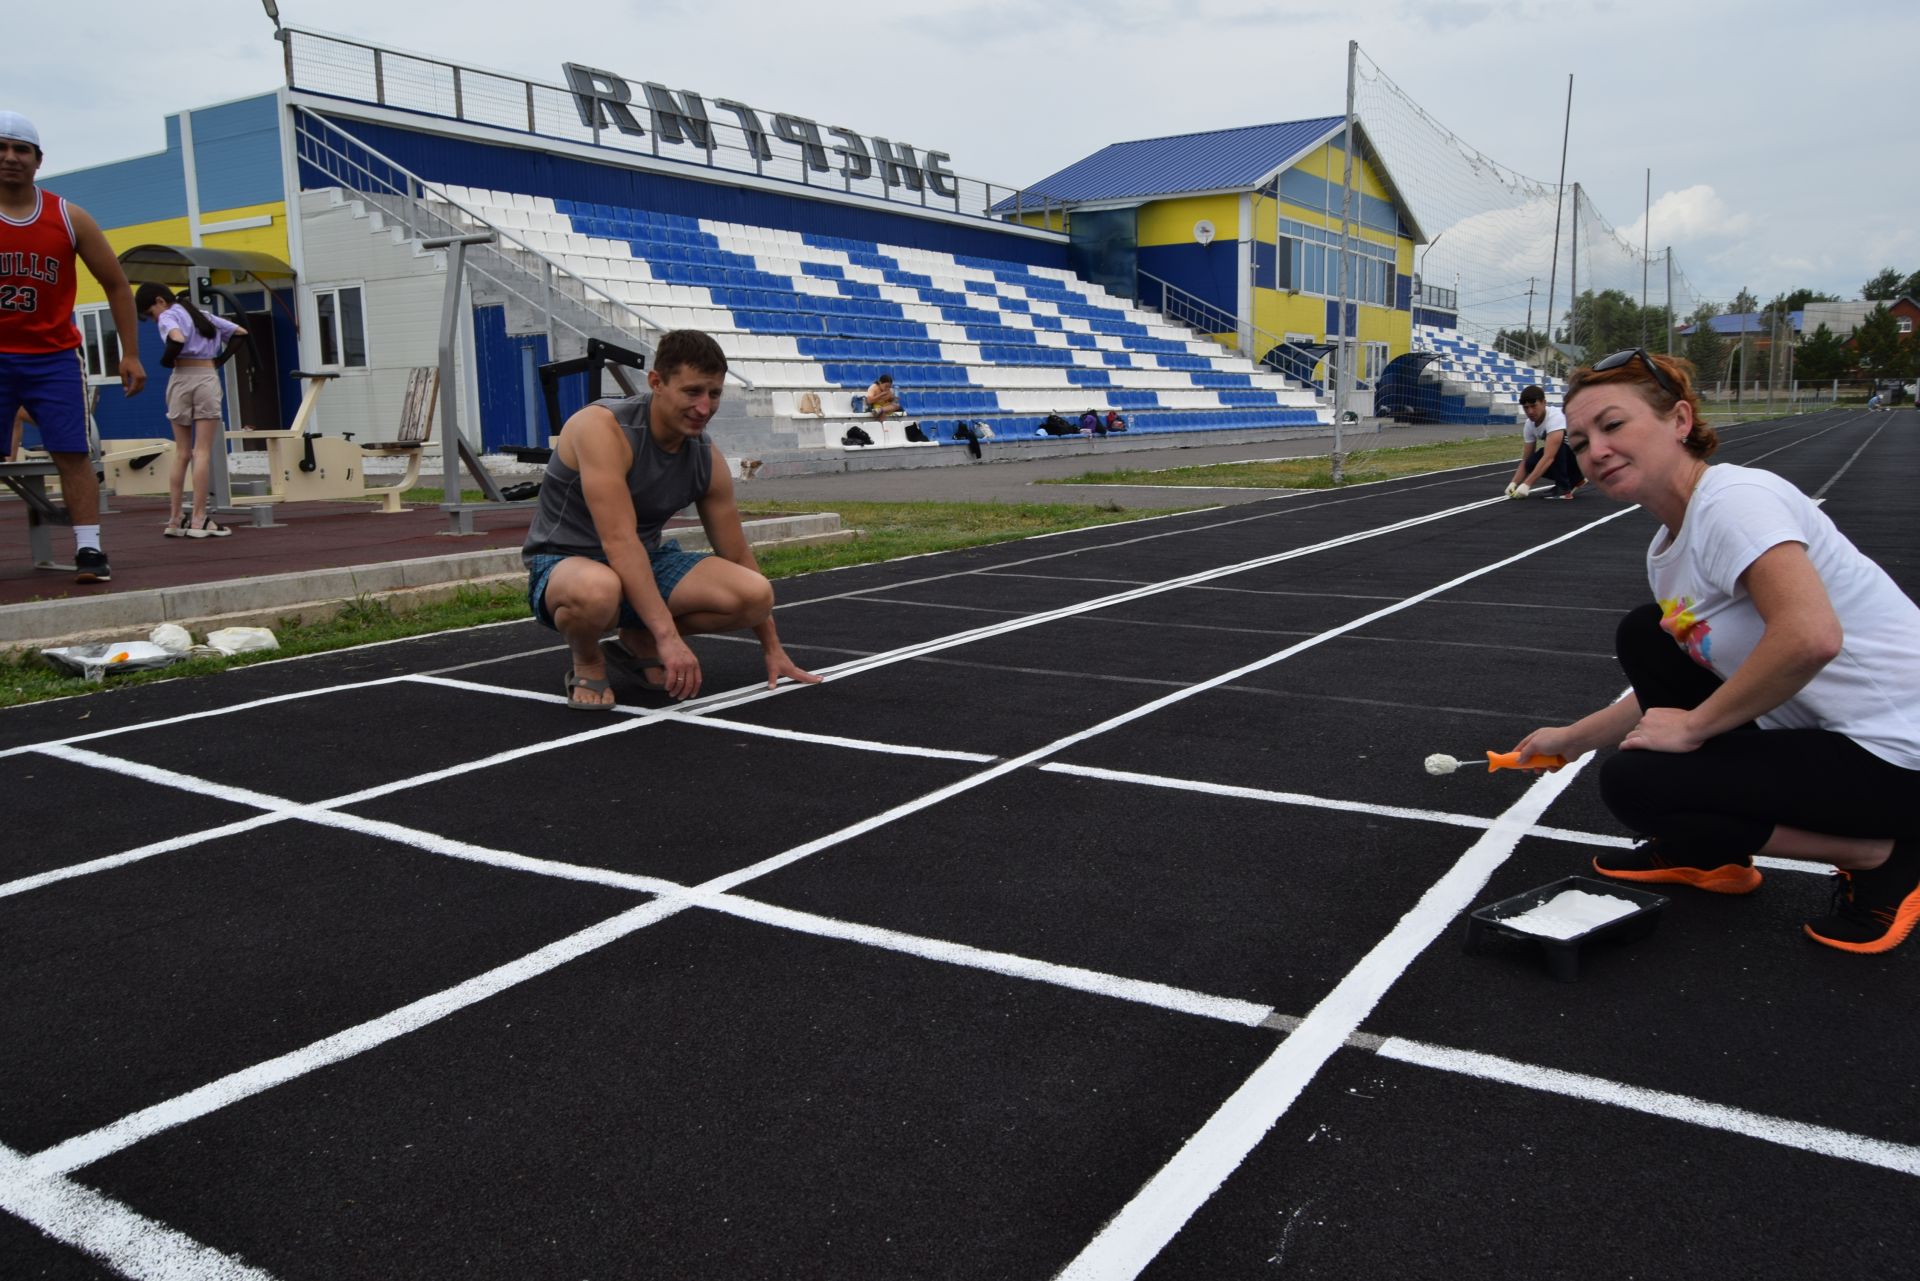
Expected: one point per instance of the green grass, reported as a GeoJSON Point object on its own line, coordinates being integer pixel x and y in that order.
{"type": "Point", "coordinates": [887, 531]}
{"type": "Point", "coordinates": [1316, 471]}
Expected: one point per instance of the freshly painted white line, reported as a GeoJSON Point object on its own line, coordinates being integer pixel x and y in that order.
{"type": "Point", "coordinates": [1142, 1228]}
{"type": "Point", "coordinates": [1445, 817]}
{"type": "Point", "coordinates": [130, 1243]}
{"type": "Point", "coordinates": [1818, 1139]}
{"type": "Point", "coordinates": [111, 861]}
{"type": "Point", "coordinates": [1820, 494]}
{"type": "Point", "coordinates": [699, 715]}
{"type": "Point", "coordinates": [160, 776]}
{"type": "Point", "coordinates": [1138, 991]}
{"type": "Point", "coordinates": [84, 1149]}
{"type": "Point", "coordinates": [201, 715]}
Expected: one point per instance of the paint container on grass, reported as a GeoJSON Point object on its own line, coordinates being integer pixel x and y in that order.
{"type": "Point", "coordinates": [1562, 918]}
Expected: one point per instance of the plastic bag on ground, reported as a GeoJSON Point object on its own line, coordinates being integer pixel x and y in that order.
{"type": "Point", "coordinates": [95, 661]}
{"type": "Point", "coordinates": [241, 640]}
{"type": "Point", "coordinates": [172, 637]}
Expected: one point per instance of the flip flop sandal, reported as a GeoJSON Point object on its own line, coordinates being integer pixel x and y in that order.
{"type": "Point", "coordinates": [625, 662]}
{"type": "Point", "coordinates": [592, 684]}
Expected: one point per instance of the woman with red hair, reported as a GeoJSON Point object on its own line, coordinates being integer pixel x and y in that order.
{"type": "Point", "coordinates": [1775, 704]}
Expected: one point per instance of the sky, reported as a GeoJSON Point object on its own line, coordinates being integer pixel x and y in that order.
{"type": "Point", "coordinates": [1780, 135]}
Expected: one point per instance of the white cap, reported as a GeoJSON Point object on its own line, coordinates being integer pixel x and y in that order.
{"type": "Point", "coordinates": [18, 127]}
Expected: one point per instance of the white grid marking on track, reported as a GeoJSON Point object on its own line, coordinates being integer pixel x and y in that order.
{"type": "Point", "coordinates": [129, 1242]}
{"type": "Point", "coordinates": [1679, 1107]}
{"type": "Point", "coordinates": [1142, 1227]}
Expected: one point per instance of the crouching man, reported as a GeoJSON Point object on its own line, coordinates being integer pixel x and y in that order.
{"type": "Point", "coordinates": [594, 556]}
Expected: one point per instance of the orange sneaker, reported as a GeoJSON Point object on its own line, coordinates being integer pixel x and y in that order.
{"type": "Point", "coordinates": [1874, 910]}
{"type": "Point", "coordinates": [1646, 863]}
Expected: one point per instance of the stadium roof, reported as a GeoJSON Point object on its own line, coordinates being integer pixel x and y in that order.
{"type": "Point", "coordinates": [1189, 164]}
{"type": "Point", "coordinates": [1744, 322]}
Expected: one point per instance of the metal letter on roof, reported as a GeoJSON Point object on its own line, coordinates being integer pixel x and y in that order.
{"type": "Point", "coordinates": [602, 98]}
{"type": "Point", "coordinates": [750, 125]}
{"type": "Point", "coordinates": [856, 164]}
{"type": "Point", "coordinates": [939, 177]}
{"type": "Point", "coordinates": [804, 134]}
{"type": "Point", "coordinates": [671, 115]}
{"type": "Point", "coordinates": [899, 167]}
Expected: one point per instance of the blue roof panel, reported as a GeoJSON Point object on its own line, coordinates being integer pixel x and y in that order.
{"type": "Point", "coordinates": [1220, 160]}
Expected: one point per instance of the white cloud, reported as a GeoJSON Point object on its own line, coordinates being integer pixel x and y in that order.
{"type": "Point", "coordinates": [1693, 215]}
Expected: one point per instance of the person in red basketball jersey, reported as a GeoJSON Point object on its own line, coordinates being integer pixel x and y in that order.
{"type": "Point", "coordinates": [40, 236]}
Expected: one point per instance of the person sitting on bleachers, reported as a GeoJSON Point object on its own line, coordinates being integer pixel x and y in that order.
{"type": "Point", "coordinates": [882, 399]}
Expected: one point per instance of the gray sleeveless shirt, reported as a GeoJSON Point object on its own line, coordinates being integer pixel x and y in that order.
{"type": "Point", "coordinates": [660, 484]}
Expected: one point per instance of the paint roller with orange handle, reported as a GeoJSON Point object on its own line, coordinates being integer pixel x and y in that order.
{"type": "Point", "coordinates": [1440, 763]}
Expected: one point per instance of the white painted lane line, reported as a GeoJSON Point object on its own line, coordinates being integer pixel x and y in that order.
{"type": "Point", "coordinates": [111, 861]}
{"type": "Point", "coordinates": [1142, 1228]}
{"type": "Point", "coordinates": [201, 715]}
{"type": "Point", "coordinates": [84, 1149]}
{"type": "Point", "coordinates": [1445, 817]}
{"type": "Point", "coordinates": [1820, 1139]}
{"type": "Point", "coordinates": [1138, 991]}
{"type": "Point", "coordinates": [130, 1243]}
{"type": "Point", "coordinates": [1571, 836]}
{"type": "Point", "coordinates": [160, 776]}
{"type": "Point", "coordinates": [681, 716]}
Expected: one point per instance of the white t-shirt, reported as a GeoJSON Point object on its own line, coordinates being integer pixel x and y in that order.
{"type": "Point", "coordinates": [1536, 433]}
{"type": "Point", "coordinates": [1871, 691]}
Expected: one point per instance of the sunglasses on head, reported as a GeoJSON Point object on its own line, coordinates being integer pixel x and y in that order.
{"type": "Point", "coordinates": [1620, 358]}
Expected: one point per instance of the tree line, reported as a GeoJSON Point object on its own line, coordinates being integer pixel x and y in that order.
{"type": "Point", "coordinates": [1610, 320]}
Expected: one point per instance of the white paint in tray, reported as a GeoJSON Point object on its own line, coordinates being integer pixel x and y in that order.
{"type": "Point", "coordinates": [1570, 913]}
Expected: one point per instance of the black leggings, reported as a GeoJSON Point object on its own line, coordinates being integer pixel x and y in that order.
{"type": "Point", "coordinates": [1563, 471]}
{"type": "Point", "coordinates": [1726, 797]}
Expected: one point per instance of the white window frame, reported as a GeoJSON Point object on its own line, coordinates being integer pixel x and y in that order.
{"type": "Point", "coordinates": [1905, 323]}
{"type": "Point", "coordinates": [323, 331]}
{"type": "Point", "coordinates": [96, 330]}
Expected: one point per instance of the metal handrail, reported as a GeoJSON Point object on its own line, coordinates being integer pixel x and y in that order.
{"type": "Point", "coordinates": [420, 223]}
{"type": "Point", "coordinates": [1201, 316]}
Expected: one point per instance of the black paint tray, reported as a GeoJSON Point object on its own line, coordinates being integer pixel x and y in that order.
{"type": "Point", "coordinates": [1563, 955]}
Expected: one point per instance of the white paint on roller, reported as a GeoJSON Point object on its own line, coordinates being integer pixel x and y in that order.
{"type": "Point", "coordinates": [1569, 914]}
{"type": "Point", "coordinates": [1440, 763]}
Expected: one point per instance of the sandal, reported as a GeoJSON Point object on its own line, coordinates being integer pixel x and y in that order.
{"type": "Point", "coordinates": [592, 684]}
{"type": "Point", "coordinates": [207, 528]}
{"type": "Point", "coordinates": [626, 663]}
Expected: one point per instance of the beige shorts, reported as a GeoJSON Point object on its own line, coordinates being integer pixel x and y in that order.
{"type": "Point", "coordinates": [193, 396]}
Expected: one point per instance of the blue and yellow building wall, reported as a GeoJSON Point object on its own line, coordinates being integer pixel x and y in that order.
{"type": "Point", "coordinates": [233, 152]}
{"type": "Point", "coordinates": [1299, 211]}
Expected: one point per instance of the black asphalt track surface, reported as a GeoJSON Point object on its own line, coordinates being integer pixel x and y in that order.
{"type": "Point", "coordinates": [1096, 918]}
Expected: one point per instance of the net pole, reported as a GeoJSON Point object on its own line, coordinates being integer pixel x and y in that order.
{"type": "Point", "coordinates": [1559, 192]}
{"type": "Point", "coordinates": [1646, 222]}
{"type": "Point", "coordinates": [1669, 300]}
{"type": "Point", "coordinates": [1348, 348]}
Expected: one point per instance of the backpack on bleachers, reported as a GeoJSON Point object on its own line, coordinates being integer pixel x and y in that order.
{"type": "Point", "coordinates": [856, 436]}
{"type": "Point", "coordinates": [1090, 424]}
{"type": "Point", "coordinates": [1055, 425]}
{"type": "Point", "coordinates": [916, 436]}
{"type": "Point", "coordinates": [809, 403]}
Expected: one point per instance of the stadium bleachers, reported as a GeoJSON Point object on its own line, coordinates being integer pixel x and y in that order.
{"type": "Point", "coordinates": [817, 318]}
{"type": "Point", "coordinates": [1478, 376]}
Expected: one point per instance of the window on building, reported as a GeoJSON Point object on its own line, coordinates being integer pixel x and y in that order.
{"type": "Point", "coordinates": [1906, 325]}
{"type": "Point", "coordinates": [343, 327]}
{"type": "Point", "coordinates": [101, 343]}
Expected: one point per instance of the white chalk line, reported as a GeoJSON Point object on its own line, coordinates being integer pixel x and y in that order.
{"type": "Point", "coordinates": [129, 1242]}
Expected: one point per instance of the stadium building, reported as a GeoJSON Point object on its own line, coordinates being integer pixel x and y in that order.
{"type": "Point", "coordinates": [1190, 283]}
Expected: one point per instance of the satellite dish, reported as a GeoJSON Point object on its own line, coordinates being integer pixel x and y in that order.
{"type": "Point", "coordinates": [1203, 232]}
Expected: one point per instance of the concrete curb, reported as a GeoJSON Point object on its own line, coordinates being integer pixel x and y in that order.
{"type": "Point", "coordinates": [318, 593]}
